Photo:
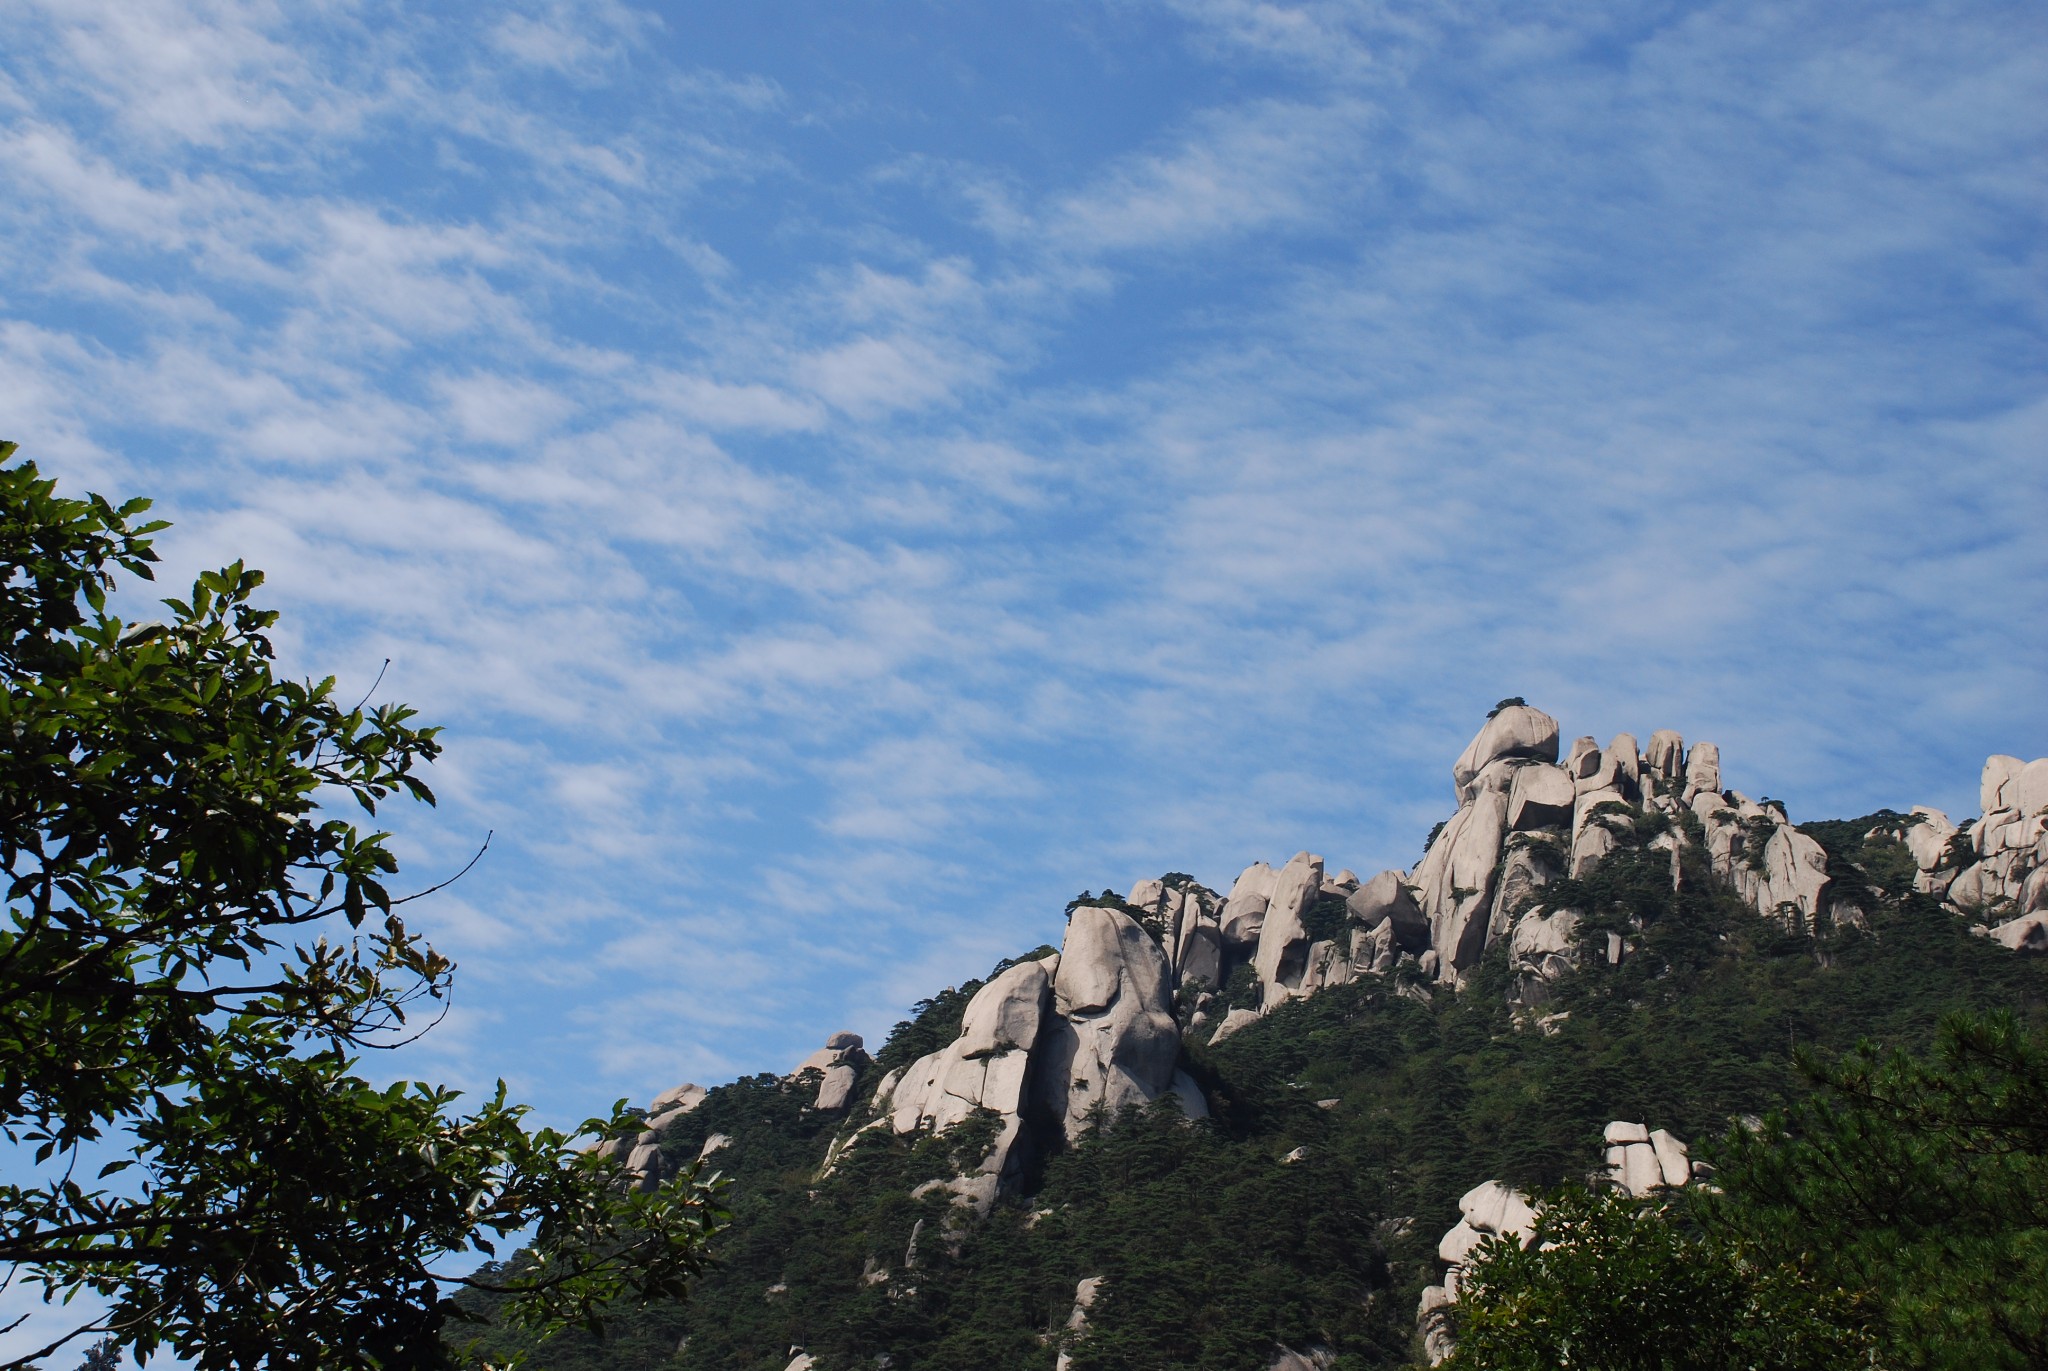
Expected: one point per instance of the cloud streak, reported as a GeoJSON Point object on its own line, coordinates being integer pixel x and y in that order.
{"type": "Point", "coordinates": [839, 520]}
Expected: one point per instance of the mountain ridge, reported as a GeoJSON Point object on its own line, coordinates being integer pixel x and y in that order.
{"type": "Point", "coordinates": [1561, 878]}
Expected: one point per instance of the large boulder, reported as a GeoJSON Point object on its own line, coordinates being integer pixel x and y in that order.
{"type": "Point", "coordinates": [1540, 797]}
{"type": "Point", "coordinates": [1456, 882]}
{"type": "Point", "coordinates": [1793, 876]}
{"type": "Point", "coordinates": [1702, 770]}
{"type": "Point", "coordinates": [1244, 913]}
{"type": "Point", "coordinates": [1386, 898]}
{"type": "Point", "coordinates": [2000, 771]}
{"type": "Point", "coordinates": [1664, 758]}
{"type": "Point", "coordinates": [1113, 1040]}
{"type": "Point", "coordinates": [1006, 1013]}
{"type": "Point", "coordinates": [1516, 731]}
{"type": "Point", "coordinates": [2028, 793]}
{"type": "Point", "coordinates": [1282, 956]}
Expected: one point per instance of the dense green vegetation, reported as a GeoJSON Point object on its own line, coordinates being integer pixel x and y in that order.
{"type": "Point", "coordinates": [1898, 1217]}
{"type": "Point", "coordinates": [1216, 1248]}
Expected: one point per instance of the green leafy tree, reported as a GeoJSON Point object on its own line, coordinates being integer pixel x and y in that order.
{"type": "Point", "coordinates": [1609, 1283]}
{"type": "Point", "coordinates": [194, 958]}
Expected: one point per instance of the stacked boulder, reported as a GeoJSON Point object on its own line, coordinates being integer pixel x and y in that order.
{"type": "Point", "coordinates": [1640, 1161]}
{"type": "Point", "coordinates": [838, 1064]}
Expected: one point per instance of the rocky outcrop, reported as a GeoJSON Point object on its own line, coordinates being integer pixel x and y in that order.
{"type": "Point", "coordinates": [1244, 913]}
{"type": "Point", "coordinates": [1993, 869]}
{"type": "Point", "coordinates": [988, 1067]}
{"type": "Point", "coordinates": [1514, 731]}
{"type": "Point", "coordinates": [838, 1064]}
{"type": "Point", "coordinates": [1642, 1160]}
{"type": "Point", "coordinates": [1045, 1044]}
{"type": "Point", "coordinates": [1753, 847]}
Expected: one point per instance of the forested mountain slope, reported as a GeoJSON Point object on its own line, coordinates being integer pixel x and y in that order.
{"type": "Point", "coordinates": [1237, 1127]}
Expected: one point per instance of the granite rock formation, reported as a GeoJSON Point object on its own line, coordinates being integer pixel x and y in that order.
{"type": "Point", "coordinates": [1048, 1045]}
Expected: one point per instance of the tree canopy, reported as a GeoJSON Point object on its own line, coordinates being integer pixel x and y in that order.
{"type": "Point", "coordinates": [196, 955]}
{"type": "Point", "coordinates": [1897, 1217]}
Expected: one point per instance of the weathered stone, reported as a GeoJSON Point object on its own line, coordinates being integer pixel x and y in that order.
{"type": "Point", "coordinates": [1386, 898]}
{"type": "Point", "coordinates": [1620, 766]}
{"type": "Point", "coordinates": [1635, 1169]}
{"type": "Point", "coordinates": [1244, 913]}
{"type": "Point", "coordinates": [1525, 870]}
{"type": "Point", "coordinates": [1091, 960]}
{"type": "Point", "coordinates": [1114, 1041]}
{"type": "Point", "coordinates": [835, 1091]}
{"type": "Point", "coordinates": [1282, 955]}
{"type": "Point", "coordinates": [1584, 760]}
{"type": "Point", "coordinates": [1149, 895]}
{"type": "Point", "coordinates": [1621, 1131]}
{"type": "Point", "coordinates": [1433, 1324]}
{"type": "Point", "coordinates": [1592, 830]}
{"type": "Point", "coordinates": [1495, 1208]}
{"type": "Point", "coordinates": [1928, 840]}
{"type": "Point", "coordinates": [1006, 1012]}
{"type": "Point", "coordinates": [1085, 1295]}
{"type": "Point", "coordinates": [1540, 797]}
{"type": "Point", "coordinates": [845, 1041]}
{"type": "Point", "coordinates": [1201, 954]}
{"type": "Point", "coordinates": [1516, 731]}
{"type": "Point", "coordinates": [2029, 792]}
{"type": "Point", "coordinates": [2028, 933]}
{"type": "Point", "coordinates": [1232, 1022]}
{"type": "Point", "coordinates": [1672, 1162]}
{"type": "Point", "coordinates": [2034, 891]}
{"type": "Point", "coordinates": [1792, 879]}
{"type": "Point", "coordinates": [1456, 1245]}
{"type": "Point", "coordinates": [678, 1098]}
{"type": "Point", "coordinates": [1703, 770]}
{"type": "Point", "coordinates": [1999, 772]}
{"type": "Point", "coordinates": [1665, 756]}
{"type": "Point", "coordinates": [1456, 882]}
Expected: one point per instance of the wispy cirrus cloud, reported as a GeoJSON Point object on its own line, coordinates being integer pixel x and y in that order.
{"type": "Point", "coordinates": [839, 520]}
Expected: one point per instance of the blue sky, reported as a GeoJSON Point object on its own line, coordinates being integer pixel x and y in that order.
{"type": "Point", "coordinates": [851, 476]}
